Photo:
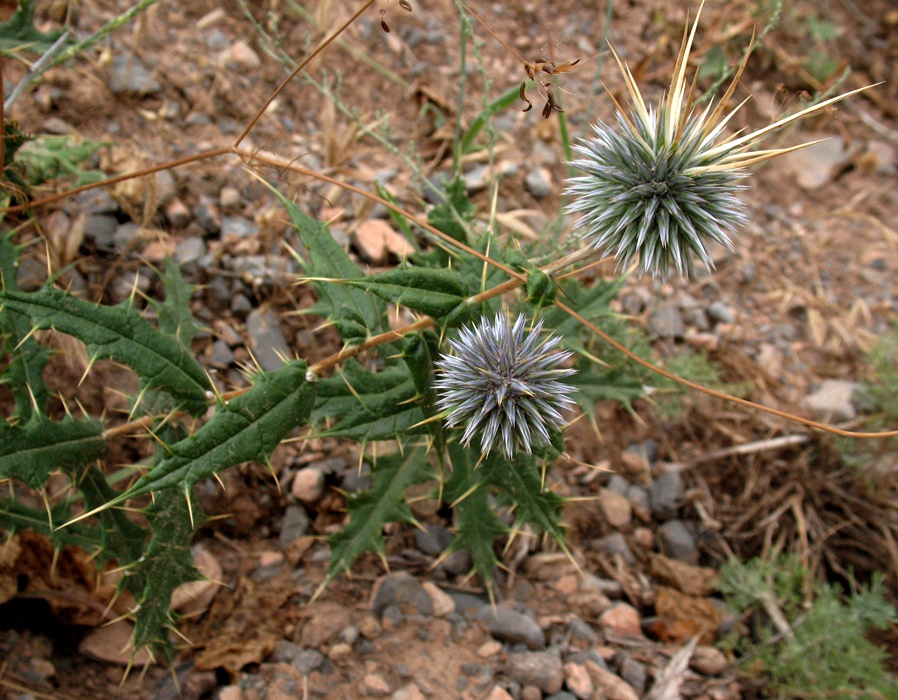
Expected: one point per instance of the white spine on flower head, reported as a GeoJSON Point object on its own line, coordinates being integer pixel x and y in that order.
{"type": "Point", "coordinates": [504, 384]}
{"type": "Point", "coordinates": [662, 183]}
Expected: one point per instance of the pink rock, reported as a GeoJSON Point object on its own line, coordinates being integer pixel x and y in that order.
{"type": "Point", "coordinates": [622, 619]}
{"type": "Point", "coordinates": [499, 693]}
{"type": "Point", "coordinates": [615, 507]}
{"type": "Point", "coordinates": [578, 681]}
{"type": "Point", "coordinates": [308, 485]}
{"type": "Point", "coordinates": [375, 684]}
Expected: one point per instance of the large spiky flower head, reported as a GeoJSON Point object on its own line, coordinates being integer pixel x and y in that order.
{"type": "Point", "coordinates": [662, 183]}
{"type": "Point", "coordinates": [504, 384]}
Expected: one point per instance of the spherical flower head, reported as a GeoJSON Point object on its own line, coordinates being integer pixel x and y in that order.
{"type": "Point", "coordinates": [503, 383]}
{"type": "Point", "coordinates": [647, 196]}
{"type": "Point", "coordinates": [662, 183]}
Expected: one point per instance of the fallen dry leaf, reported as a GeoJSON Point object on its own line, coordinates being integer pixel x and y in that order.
{"type": "Point", "coordinates": [669, 679]}
{"type": "Point", "coordinates": [112, 644]}
{"type": "Point", "coordinates": [9, 579]}
{"type": "Point", "coordinates": [237, 634]}
{"type": "Point", "coordinates": [682, 617]}
{"type": "Point", "coordinates": [194, 597]}
{"type": "Point", "coordinates": [687, 578]}
{"type": "Point", "coordinates": [376, 239]}
{"type": "Point", "coordinates": [68, 580]}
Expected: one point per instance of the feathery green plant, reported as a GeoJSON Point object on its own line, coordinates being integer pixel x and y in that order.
{"type": "Point", "coordinates": [818, 648]}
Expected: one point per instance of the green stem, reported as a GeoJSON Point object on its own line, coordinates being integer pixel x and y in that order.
{"type": "Point", "coordinates": [107, 28]}
{"type": "Point", "coordinates": [464, 30]}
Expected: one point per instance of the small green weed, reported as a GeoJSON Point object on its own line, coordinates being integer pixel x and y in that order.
{"type": "Point", "coordinates": [813, 647]}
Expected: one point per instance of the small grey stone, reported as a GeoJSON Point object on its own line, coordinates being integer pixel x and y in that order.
{"type": "Point", "coordinates": [308, 660]}
{"type": "Point", "coordinates": [677, 542]}
{"type": "Point", "coordinates": [349, 634]}
{"type": "Point", "coordinates": [384, 175]}
{"type": "Point", "coordinates": [434, 191]}
{"type": "Point", "coordinates": [697, 318]}
{"type": "Point", "coordinates": [404, 591]}
{"type": "Point", "coordinates": [647, 450]}
{"type": "Point", "coordinates": [817, 164]}
{"type": "Point", "coordinates": [392, 614]}
{"type": "Point", "coordinates": [221, 355]}
{"type": "Point", "coordinates": [467, 603]}
{"type": "Point", "coordinates": [544, 153]}
{"type": "Point", "coordinates": [57, 126]}
{"type": "Point", "coordinates": [190, 250]}
{"type": "Point", "coordinates": [238, 226]}
{"type": "Point", "coordinates": [512, 627]}
{"type": "Point", "coordinates": [206, 212]}
{"type": "Point", "coordinates": [285, 651]}
{"type": "Point", "coordinates": [832, 401]}
{"type": "Point", "coordinates": [632, 304]}
{"type": "Point", "coordinates": [667, 322]}
{"type": "Point", "coordinates": [581, 657]}
{"type": "Point", "coordinates": [356, 480]}
{"type": "Point", "coordinates": [721, 313]}
{"type": "Point", "coordinates": [476, 179]}
{"type": "Point", "coordinates": [267, 342]}
{"type": "Point", "coordinates": [666, 492]}
{"type": "Point", "coordinates": [220, 290]}
{"type": "Point", "coordinates": [165, 186]}
{"type": "Point", "coordinates": [538, 183]}
{"type": "Point", "coordinates": [294, 525]}
{"type": "Point", "coordinates": [217, 40]}
{"type": "Point", "coordinates": [618, 484]}
{"type": "Point", "coordinates": [122, 287]}
{"type": "Point", "coordinates": [96, 202]}
{"type": "Point", "coordinates": [124, 234]}
{"type": "Point", "coordinates": [711, 290]}
{"type": "Point", "coordinates": [128, 75]}
{"type": "Point", "coordinates": [264, 268]}
{"type": "Point", "coordinates": [170, 110]}
{"type": "Point", "coordinates": [198, 119]}
{"type": "Point", "coordinates": [456, 563]}
{"type": "Point", "coordinates": [634, 672]}
{"type": "Point", "coordinates": [616, 543]}
{"type": "Point", "coordinates": [228, 125]}
{"type": "Point", "coordinates": [433, 539]}
{"type": "Point", "coordinates": [540, 668]}
{"type": "Point", "coordinates": [729, 618]}
{"type": "Point", "coordinates": [640, 500]}
{"type": "Point", "coordinates": [688, 302]}
{"type": "Point", "coordinates": [333, 465]}
{"type": "Point", "coordinates": [581, 630]}
{"type": "Point", "coordinates": [100, 228]}
{"type": "Point", "coordinates": [31, 274]}
{"type": "Point", "coordinates": [563, 695]}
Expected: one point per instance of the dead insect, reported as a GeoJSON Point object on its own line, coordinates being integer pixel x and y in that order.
{"type": "Point", "coordinates": [523, 93]}
{"type": "Point", "coordinates": [405, 5]}
{"type": "Point", "coordinates": [551, 104]}
{"type": "Point", "coordinates": [541, 71]}
{"type": "Point", "coordinates": [383, 22]}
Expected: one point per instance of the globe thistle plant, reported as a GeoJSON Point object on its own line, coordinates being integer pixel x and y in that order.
{"type": "Point", "coordinates": [662, 184]}
{"type": "Point", "coordinates": [504, 384]}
